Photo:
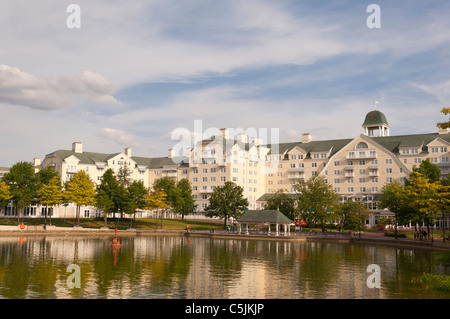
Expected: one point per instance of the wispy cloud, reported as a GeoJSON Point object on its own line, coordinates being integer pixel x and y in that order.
{"type": "Point", "coordinates": [21, 88]}
{"type": "Point", "coordinates": [119, 137]}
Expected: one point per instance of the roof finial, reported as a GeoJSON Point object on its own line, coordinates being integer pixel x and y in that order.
{"type": "Point", "coordinates": [375, 106]}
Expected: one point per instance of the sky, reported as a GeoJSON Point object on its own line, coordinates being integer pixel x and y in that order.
{"type": "Point", "coordinates": [137, 73]}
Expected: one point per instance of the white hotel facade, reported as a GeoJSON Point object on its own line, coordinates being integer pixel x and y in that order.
{"type": "Point", "coordinates": [355, 167]}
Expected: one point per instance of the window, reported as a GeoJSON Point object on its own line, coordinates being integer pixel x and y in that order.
{"type": "Point", "coordinates": [388, 160]}
{"type": "Point", "coordinates": [362, 145]}
{"type": "Point", "coordinates": [313, 164]}
{"type": "Point", "coordinates": [388, 170]}
{"type": "Point", "coordinates": [213, 170]}
{"type": "Point", "coordinates": [362, 162]}
{"type": "Point", "coordinates": [87, 213]}
{"type": "Point", "coordinates": [337, 163]}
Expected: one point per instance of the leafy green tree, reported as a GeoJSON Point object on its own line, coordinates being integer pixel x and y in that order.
{"type": "Point", "coordinates": [107, 194]}
{"type": "Point", "coordinates": [23, 184]}
{"type": "Point", "coordinates": [227, 201]}
{"type": "Point", "coordinates": [185, 202]}
{"type": "Point", "coordinates": [81, 191]}
{"type": "Point", "coordinates": [50, 194]}
{"type": "Point", "coordinates": [168, 186]}
{"type": "Point", "coordinates": [352, 214]}
{"type": "Point", "coordinates": [46, 174]}
{"type": "Point", "coordinates": [429, 170]}
{"type": "Point", "coordinates": [136, 193]}
{"type": "Point", "coordinates": [316, 195]}
{"type": "Point", "coordinates": [284, 202]}
{"type": "Point", "coordinates": [393, 198]}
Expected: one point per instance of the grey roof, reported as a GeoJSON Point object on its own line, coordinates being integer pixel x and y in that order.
{"type": "Point", "coordinates": [92, 158]}
{"type": "Point", "coordinates": [391, 143]}
{"type": "Point", "coordinates": [264, 216]}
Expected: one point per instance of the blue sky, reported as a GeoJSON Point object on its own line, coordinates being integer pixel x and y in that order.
{"type": "Point", "coordinates": [136, 71]}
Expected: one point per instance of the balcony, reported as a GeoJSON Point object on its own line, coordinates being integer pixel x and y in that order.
{"type": "Point", "coordinates": [361, 155]}
{"type": "Point", "coordinates": [296, 176]}
{"type": "Point", "coordinates": [207, 190]}
{"type": "Point", "coordinates": [169, 174]}
{"type": "Point", "coordinates": [71, 170]}
{"type": "Point", "coordinates": [350, 174]}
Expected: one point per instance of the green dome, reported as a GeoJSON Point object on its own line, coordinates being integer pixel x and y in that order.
{"type": "Point", "coordinates": [375, 118]}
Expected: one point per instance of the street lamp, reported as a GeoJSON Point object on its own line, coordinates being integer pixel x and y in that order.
{"type": "Point", "coordinates": [330, 210]}
{"type": "Point", "coordinates": [309, 210]}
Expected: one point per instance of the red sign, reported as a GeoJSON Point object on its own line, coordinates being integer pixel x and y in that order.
{"type": "Point", "coordinates": [303, 223]}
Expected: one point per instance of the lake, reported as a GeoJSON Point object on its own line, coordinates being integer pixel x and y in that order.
{"type": "Point", "coordinates": [179, 267]}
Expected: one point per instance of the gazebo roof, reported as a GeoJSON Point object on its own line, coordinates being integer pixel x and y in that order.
{"type": "Point", "coordinates": [264, 216]}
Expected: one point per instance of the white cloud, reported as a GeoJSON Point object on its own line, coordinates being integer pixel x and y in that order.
{"type": "Point", "coordinates": [119, 137]}
{"type": "Point", "coordinates": [21, 88]}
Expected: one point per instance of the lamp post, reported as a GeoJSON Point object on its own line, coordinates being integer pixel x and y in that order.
{"type": "Point", "coordinates": [309, 211]}
{"type": "Point", "coordinates": [330, 210]}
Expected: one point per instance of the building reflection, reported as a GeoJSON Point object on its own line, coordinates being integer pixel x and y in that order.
{"type": "Point", "coordinates": [196, 268]}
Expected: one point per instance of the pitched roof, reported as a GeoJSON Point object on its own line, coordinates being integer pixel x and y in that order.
{"type": "Point", "coordinates": [264, 216]}
{"type": "Point", "coordinates": [92, 158]}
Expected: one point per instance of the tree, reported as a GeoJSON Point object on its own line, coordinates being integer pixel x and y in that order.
{"type": "Point", "coordinates": [5, 194]}
{"type": "Point", "coordinates": [168, 186]}
{"type": "Point", "coordinates": [46, 174]}
{"type": "Point", "coordinates": [352, 214]}
{"type": "Point", "coordinates": [284, 202]}
{"type": "Point", "coordinates": [106, 194]}
{"type": "Point", "coordinates": [393, 198]}
{"type": "Point", "coordinates": [156, 199]}
{"type": "Point", "coordinates": [444, 125]}
{"type": "Point", "coordinates": [227, 201]}
{"type": "Point", "coordinates": [136, 193]}
{"type": "Point", "coordinates": [423, 198]}
{"type": "Point", "coordinates": [50, 194]}
{"type": "Point", "coordinates": [23, 184]}
{"type": "Point", "coordinates": [429, 170]}
{"type": "Point", "coordinates": [315, 195]}
{"type": "Point", "coordinates": [185, 202]}
{"type": "Point", "coordinates": [81, 191]}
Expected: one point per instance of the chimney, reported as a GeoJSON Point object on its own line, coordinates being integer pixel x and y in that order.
{"type": "Point", "coordinates": [128, 151]}
{"type": "Point", "coordinates": [257, 141]}
{"type": "Point", "coordinates": [224, 132]}
{"type": "Point", "coordinates": [171, 153]}
{"type": "Point", "coordinates": [306, 138]}
{"type": "Point", "coordinates": [77, 147]}
{"type": "Point", "coordinates": [36, 161]}
{"type": "Point", "coordinates": [443, 131]}
{"type": "Point", "coordinates": [242, 138]}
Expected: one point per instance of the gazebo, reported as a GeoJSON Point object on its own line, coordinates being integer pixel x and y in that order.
{"type": "Point", "coordinates": [264, 217]}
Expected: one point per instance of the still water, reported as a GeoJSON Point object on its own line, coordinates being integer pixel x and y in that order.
{"type": "Point", "coordinates": [181, 267]}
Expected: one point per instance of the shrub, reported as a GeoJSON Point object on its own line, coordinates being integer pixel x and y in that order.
{"type": "Point", "coordinates": [392, 234]}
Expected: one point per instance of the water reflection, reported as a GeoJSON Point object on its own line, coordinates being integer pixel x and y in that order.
{"type": "Point", "coordinates": [180, 267]}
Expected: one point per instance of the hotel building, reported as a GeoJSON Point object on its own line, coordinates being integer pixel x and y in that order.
{"type": "Point", "coordinates": [355, 167]}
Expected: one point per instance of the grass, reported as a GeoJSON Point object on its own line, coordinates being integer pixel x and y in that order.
{"type": "Point", "coordinates": [124, 223]}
